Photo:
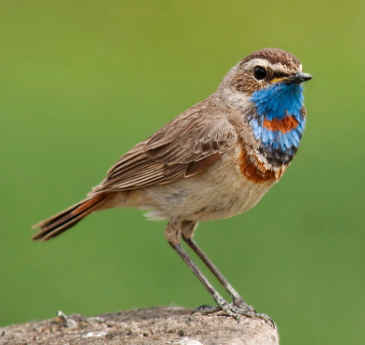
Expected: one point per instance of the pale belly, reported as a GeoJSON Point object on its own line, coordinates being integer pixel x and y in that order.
{"type": "Point", "coordinates": [221, 192]}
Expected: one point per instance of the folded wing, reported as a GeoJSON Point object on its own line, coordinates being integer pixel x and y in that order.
{"type": "Point", "coordinates": [185, 147]}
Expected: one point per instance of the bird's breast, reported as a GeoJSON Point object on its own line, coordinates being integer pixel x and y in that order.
{"type": "Point", "coordinates": [255, 170]}
{"type": "Point", "coordinates": [277, 121]}
{"type": "Point", "coordinates": [284, 125]}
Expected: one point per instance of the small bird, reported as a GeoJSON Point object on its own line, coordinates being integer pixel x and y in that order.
{"type": "Point", "coordinates": [215, 160]}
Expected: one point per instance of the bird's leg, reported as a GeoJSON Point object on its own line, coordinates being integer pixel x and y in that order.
{"type": "Point", "coordinates": [223, 306]}
{"type": "Point", "coordinates": [239, 306]}
{"type": "Point", "coordinates": [175, 228]}
{"type": "Point", "coordinates": [184, 255]}
{"type": "Point", "coordinates": [187, 230]}
{"type": "Point", "coordinates": [173, 233]}
{"type": "Point", "coordinates": [236, 298]}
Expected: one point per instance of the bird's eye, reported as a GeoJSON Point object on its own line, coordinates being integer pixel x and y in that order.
{"type": "Point", "coordinates": [259, 72]}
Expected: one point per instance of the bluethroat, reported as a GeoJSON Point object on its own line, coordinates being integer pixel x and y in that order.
{"type": "Point", "coordinates": [215, 160]}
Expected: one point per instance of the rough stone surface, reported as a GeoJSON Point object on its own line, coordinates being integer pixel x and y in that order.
{"type": "Point", "coordinates": [172, 325]}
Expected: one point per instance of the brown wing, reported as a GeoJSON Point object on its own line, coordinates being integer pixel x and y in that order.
{"type": "Point", "coordinates": [184, 147]}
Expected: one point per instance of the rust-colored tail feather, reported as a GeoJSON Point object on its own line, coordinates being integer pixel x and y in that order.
{"type": "Point", "coordinates": [59, 223]}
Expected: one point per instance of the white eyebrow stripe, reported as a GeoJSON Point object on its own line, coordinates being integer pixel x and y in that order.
{"type": "Point", "coordinates": [277, 67]}
{"type": "Point", "coordinates": [256, 62]}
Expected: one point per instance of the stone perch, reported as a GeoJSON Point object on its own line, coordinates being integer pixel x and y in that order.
{"type": "Point", "coordinates": [171, 325]}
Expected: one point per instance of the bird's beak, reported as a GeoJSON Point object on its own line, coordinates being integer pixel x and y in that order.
{"type": "Point", "coordinates": [297, 78]}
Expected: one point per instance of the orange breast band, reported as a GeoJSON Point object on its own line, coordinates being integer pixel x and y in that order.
{"type": "Point", "coordinates": [285, 125]}
{"type": "Point", "coordinates": [255, 171]}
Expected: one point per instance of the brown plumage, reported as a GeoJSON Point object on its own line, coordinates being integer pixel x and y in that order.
{"type": "Point", "coordinates": [59, 223]}
{"type": "Point", "coordinates": [275, 56]}
{"type": "Point", "coordinates": [207, 163]}
{"type": "Point", "coordinates": [183, 148]}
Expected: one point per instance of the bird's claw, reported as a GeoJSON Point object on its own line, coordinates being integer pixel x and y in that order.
{"type": "Point", "coordinates": [234, 311]}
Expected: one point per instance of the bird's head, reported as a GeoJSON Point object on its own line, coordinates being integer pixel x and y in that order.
{"type": "Point", "coordinates": [267, 68]}
{"type": "Point", "coordinates": [266, 87]}
{"type": "Point", "coordinates": [268, 73]}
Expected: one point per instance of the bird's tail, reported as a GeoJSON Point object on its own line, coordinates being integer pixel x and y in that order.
{"type": "Point", "coordinates": [59, 223]}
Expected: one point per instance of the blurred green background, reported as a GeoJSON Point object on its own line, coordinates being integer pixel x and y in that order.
{"type": "Point", "coordinates": [81, 82]}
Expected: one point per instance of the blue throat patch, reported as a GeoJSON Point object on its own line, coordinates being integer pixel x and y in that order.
{"type": "Point", "coordinates": [276, 103]}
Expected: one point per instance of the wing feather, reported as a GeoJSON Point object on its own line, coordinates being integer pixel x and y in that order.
{"type": "Point", "coordinates": [184, 147]}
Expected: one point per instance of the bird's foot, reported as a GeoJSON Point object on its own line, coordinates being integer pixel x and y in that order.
{"type": "Point", "coordinates": [233, 310]}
